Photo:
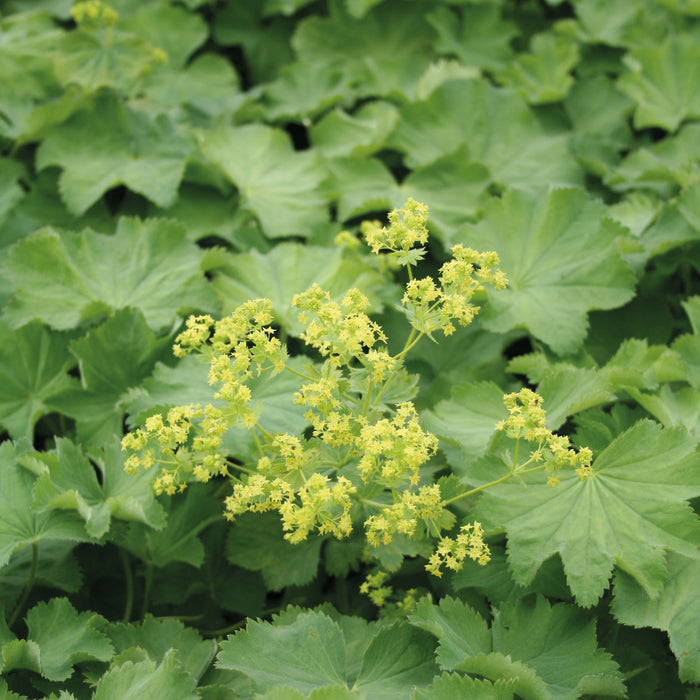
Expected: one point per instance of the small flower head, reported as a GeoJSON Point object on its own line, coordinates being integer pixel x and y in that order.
{"type": "Point", "coordinates": [451, 552]}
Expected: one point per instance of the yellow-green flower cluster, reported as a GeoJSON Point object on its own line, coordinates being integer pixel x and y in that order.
{"type": "Point", "coordinates": [319, 505]}
{"type": "Point", "coordinates": [182, 447]}
{"type": "Point", "coordinates": [432, 307]}
{"type": "Point", "coordinates": [393, 605]}
{"type": "Point", "coordinates": [341, 331]}
{"type": "Point", "coordinates": [451, 552]}
{"type": "Point", "coordinates": [394, 449]}
{"type": "Point", "coordinates": [407, 227]}
{"type": "Point", "coordinates": [404, 515]}
{"type": "Point", "coordinates": [93, 13]}
{"type": "Point", "coordinates": [527, 420]}
{"type": "Point", "coordinates": [373, 587]}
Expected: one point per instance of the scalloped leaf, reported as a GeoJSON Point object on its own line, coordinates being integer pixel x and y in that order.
{"type": "Point", "coordinates": [560, 254]}
{"type": "Point", "coordinates": [64, 279]}
{"type": "Point", "coordinates": [34, 363]}
{"type": "Point", "coordinates": [550, 651]}
{"type": "Point", "coordinates": [662, 80]}
{"type": "Point", "coordinates": [125, 147]}
{"type": "Point", "coordinates": [311, 653]}
{"type": "Point", "coordinates": [628, 513]}
{"type": "Point", "coordinates": [57, 638]}
{"type": "Point", "coordinates": [68, 481]}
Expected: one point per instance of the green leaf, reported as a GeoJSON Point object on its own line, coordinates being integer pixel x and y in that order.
{"type": "Point", "coordinates": [64, 279]}
{"type": "Point", "coordinates": [544, 74]}
{"type": "Point", "coordinates": [452, 187]}
{"type": "Point", "coordinates": [499, 128]}
{"type": "Point", "coordinates": [274, 182]}
{"type": "Point", "coordinates": [33, 369]}
{"type": "Point", "coordinates": [288, 269]}
{"type": "Point", "coordinates": [560, 255]}
{"type": "Point", "coordinates": [208, 86]}
{"type": "Point", "coordinates": [662, 81]}
{"type": "Point", "coordinates": [550, 650]}
{"type": "Point", "coordinates": [361, 133]}
{"type": "Point", "coordinates": [19, 525]}
{"type": "Point", "coordinates": [58, 637]}
{"type": "Point", "coordinates": [147, 680]}
{"type": "Point", "coordinates": [311, 653]}
{"type": "Point", "coordinates": [188, 515]}
{"type": "Point", "coordinates": [570, 390]}
{"type": "Point", "coordinates": [107, 58]}
{"type": "Point", "coordinates": [628, 513]}
{"type": "Point", "coordinates": [449, 686]}
{"type": "Point", "coordinates": [375, 61]}
{"type": "Point", "coordinates": [117, 355]}
{"type": "Point", "coordinates": [171, 28]}
{"type": "Point", "coordinates": [676, 610]}
{"type": "Point", "coordinates": [466, 421]}
{"type": "Point", "coordinates": [124, 147]}
{"type": "Point", "coordinates": [68, 481]}
{"type": "Point", "coordinates": [256, 542]}
{"type": "Point", "coordinates": [672, 407]}
{"type": "Point", "coordinates": [476, 34]}
{"type": "Point", "coordinates": [461, 631]}
{"type": "Point", "coordinates": [158, 637]}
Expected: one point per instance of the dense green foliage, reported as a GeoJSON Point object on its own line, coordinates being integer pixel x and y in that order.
{"type": "Point", "coordinates": [176, 157]}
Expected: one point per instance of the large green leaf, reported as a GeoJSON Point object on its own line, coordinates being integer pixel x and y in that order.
{"type": "Point", "coordinates": [117, 355]}
{"type": "Point", "coordinates": [145, 679]}
{"type": "Point", "coordinates": [663, 80]}
{"type": "Point", "coordinates": [453, 187]}
{"type": "Point", "coordinates": [554, 647]}
{"type": "Point", "coordinates": [57, 638]}
{"type": "Point", "coordinates": [68, 481]}
{"type": "Point", "coordinates": [376, 61]}
{"type": "Point", "coordinates": [544, 74]}
{"type": "Point", "coordinates": [64, 279]}
{"type": "Point", "coordinates": [111, 144]}
{"type": "Point", "coordinates": [560, 255]}
{"type": "Point", "coordinates": [33, 369]}
{"type": "Point", "coordinates": [277, 184]}
{"type": "Point", "coordinates": [289, 269]}
{"type": "Point", "coordinates": [496, 124]}
{"type": "Point", "coordinates": [311, 653]}
{"type": "Point", "coordinates": [628, 513]}
{"type": "Point", "coordinates": [453, 685]}
{"type": "Point", "coordinates": [20, 526]}
{"type": "Point", "coordinates": [158, 637]}
{"type": "Point", "coordinates": [476, 34]}
{"type": "Point", "coordinates": [676, 610]}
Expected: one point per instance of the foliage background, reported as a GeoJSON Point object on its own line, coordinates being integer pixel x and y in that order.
{"type": "Point", "coordinates": [196, 154]}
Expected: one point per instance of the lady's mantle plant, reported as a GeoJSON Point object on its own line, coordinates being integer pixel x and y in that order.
{"type": "Point", "coordinates": [365, 461]}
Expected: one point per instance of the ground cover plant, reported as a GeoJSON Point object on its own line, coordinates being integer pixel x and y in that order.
{"type": "Point", "coordinates": [349, 349]}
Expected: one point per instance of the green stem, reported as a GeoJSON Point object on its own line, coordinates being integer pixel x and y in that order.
{"type": "Point", "coordinates": [235, 626]}
{"type": "Point", "coordinates": [147, 589]}
{"type": "Point", "coordinates": [128, 584]}
{"type": "Point", "coordinates": [365, 408]}
{"type": "Point", "coordinates": [27, 586]}
{"type": "Point", "coordinates": [510, 475]}
{"type": "Point", "coordinates": [299, 374]}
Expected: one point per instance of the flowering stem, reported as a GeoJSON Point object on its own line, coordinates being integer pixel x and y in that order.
{"type": "Point", "coordinates": [147, 589]}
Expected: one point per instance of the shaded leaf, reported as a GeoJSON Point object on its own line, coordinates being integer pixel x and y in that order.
{"type": "Point", "coordinates": [33, 370]}
{"type": "Point", "coordinates": [58, 637]}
